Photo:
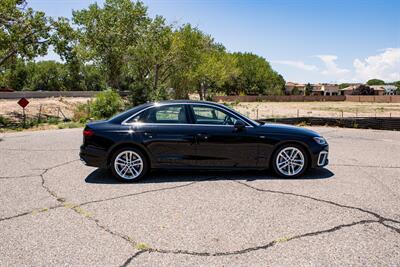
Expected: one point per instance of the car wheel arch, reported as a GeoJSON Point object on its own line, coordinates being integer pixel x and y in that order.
{"type": "Point", "coordinates": [128, 145]}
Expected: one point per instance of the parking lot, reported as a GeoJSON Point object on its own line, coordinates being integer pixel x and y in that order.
{"type": "Point", "coordinates": [57, 211]}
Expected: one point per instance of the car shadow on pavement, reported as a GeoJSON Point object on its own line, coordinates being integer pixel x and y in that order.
{"type": "Point", "coordinates": [103, 176]}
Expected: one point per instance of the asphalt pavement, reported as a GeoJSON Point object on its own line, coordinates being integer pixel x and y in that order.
{"type": "Point", "coordinates": [57, 211]}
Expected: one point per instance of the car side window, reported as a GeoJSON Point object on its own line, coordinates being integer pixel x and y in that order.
{"type": "Point", "coordinates": [211, 115]}
{"type": "Point", "coordinates": [162, 114]}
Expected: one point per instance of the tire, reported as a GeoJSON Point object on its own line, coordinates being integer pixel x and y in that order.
{"type": "Point", "coordinates": [129, 165]}
{"type": "Point", "coordinates": [289, 165]}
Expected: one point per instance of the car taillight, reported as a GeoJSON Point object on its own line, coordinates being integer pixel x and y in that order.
{"type": "Point", "coordinates": [88, 133]}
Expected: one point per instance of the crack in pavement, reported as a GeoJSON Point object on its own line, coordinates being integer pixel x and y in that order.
{"type": "Point", "coordinates": [20, 176]}
{"type": "Point", "coordinates": [379, 219]}
{"type": "Point", "coordinates": [45, 187]}
{"type": "Point", "coordinates": [128, 261]}
{"type": "Point", "coordinates": [143, 192]}
{"type": "Point", "coordinates": [75, 206]}
{"type": "Point", "coordinates": [376, 215]}
{"type": "Point", "coordinates": [249, 249]}
{"type": "Point", "coordinates": [44, 170]}
{"type": "Point", "coordinates": [29, 212]}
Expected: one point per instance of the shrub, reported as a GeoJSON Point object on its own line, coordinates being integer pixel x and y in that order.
{"type": "Point", "coordinates": [82, 113]}
{"type": "Point", "coordinates": [106, 104]}
{"type": "Point", "coordinates": [4, 122]}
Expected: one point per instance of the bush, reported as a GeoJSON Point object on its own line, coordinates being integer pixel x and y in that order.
{"type": "Point", "coordinates": [4, 122]}
{"type": "Point", "coordinates": [106, 104]}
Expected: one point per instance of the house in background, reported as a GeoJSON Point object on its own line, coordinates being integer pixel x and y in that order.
{"type": "Point", "coordinates": [385, 89]}
{"type": "Point", "coordinates": [325, 89]}
{"type": "Point", "coordinates": [351, 90]}
{"type": "Point", "coordinates": [291, 88]}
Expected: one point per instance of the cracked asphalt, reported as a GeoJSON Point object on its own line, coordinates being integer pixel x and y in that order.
{"type": "Point", "coordinates": [56, 211]}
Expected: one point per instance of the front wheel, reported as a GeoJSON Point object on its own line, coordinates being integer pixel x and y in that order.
{"type": "Point", "coordinates": [290, 161]}
{"type": "Point", "coordinates": [128, 165]}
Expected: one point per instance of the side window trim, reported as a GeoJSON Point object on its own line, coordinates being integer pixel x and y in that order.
{"type": "Point", "coordinates": [184, 105]}
{"type": "Point", "coordinates": [189, 113]}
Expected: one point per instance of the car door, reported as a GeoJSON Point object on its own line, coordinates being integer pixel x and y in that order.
{"type": "Point", "coordinates": [166, 133]}
{"type": "Point", "coordinates": [219, 143]}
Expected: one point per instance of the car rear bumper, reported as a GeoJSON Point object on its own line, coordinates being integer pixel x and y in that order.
{"type": "Point", "coordinates": [93, 156]}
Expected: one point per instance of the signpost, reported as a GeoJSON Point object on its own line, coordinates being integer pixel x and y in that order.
{"type": "Point", "coordinates": [23, 102]}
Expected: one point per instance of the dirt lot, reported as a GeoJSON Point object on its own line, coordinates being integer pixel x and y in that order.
{"type": "Point", "coordinates": [9, 108]}
{"type": "Point", "coordinates": [50, 107]}
{"type": "Point", "coordinates": [317, 109]}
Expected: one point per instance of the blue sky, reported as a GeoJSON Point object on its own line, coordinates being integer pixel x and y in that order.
{"type": "Point", "coordinates": [305, 41]}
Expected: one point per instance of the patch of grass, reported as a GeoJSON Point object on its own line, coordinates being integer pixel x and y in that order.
{"type": "Point", "coordinates": [142, 246]}
{"type": "Point", "coordinates": [71, 124]}
{"type": "Point", "coordinates": [303, 124]}
{"type": "Point", "coordinates": [282, 239]}
{"type": "Point", "coordinates": [82, 211]}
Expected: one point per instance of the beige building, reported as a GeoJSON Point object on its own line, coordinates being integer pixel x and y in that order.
{"type": "Point", "coordinates": [318, 89]}
{"type": "Point", "coordinates": [290, 86]}
{"type": "Point", "coordinates": [349, 90]}
{"type": "Point", "coordinates": [326, 89]}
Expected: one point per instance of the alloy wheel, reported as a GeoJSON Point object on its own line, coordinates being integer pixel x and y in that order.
{"type": "Point", "coordinates": [128, 165]}
{"type": "Point", "coordinates": [290, 161]}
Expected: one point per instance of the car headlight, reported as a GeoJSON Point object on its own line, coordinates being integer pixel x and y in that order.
{"type": "Point", "coordinates": [320, 140]}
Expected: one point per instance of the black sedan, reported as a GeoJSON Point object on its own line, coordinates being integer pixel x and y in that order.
{"type": "Point", "coordinates": [200, 135]}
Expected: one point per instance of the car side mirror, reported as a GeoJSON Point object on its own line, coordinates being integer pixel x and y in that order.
{"type": "Point", "coordinates": [239, 125]}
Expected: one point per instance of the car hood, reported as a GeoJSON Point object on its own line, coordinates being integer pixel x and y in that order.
{"type": "Point", "coordinates": [287, 129]}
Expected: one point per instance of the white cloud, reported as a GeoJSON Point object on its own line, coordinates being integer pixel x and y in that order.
{"type": "Point", "coordinates": [385, 66]}
{"type": "Point", "coordinates": [331, 68]}
{"type": "Point", "coordinates": [296, 64]}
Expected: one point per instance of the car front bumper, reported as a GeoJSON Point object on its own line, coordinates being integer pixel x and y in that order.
{"type": "Point", "coordinates": [319, 156]}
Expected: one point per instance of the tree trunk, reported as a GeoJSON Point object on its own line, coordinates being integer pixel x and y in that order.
{"type": "Point", "coordinates": [156, 73]}
{"type": "Point", "coordinates": [200, 91]}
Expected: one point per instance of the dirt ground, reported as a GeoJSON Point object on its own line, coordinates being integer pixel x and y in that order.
{"type": "Point", "coordinates": [48, 106]}
{"type": "Point", "coordinates": [260, 110]}
{"type": "Point", "coordinates": [255, 110]}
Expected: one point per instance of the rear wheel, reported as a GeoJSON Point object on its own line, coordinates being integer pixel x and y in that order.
{"type": "Point", "coordinates": [290, 161]}
{"type": "Point", "coordinates": [128, 165]}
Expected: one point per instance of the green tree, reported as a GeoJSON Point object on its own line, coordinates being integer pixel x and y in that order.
{"type": "Point", "coordinates": [189, 45]}
{"type": "Point", "coordinates": [255, 77]}
{"type": "Point", "coordinates": [46, 76]}
{"type": "Point", "coordinates": [106, 35]}
{"type": "Point", "coordinates": [23, 32]}
{"type": "Point", "coordinates": [343, 85]}
{"type": "Point", "coordinates": [308, 89]}
{"type": "Point", "coordinates": [215, 68]}
{"type": "Point", "coordinates": [375, 82]}
{"type": "Point", "coordinates": [363, 90]}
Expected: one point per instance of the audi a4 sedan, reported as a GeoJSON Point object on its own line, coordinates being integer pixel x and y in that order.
{"type": "Point", "coordinates": [197, 135]}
